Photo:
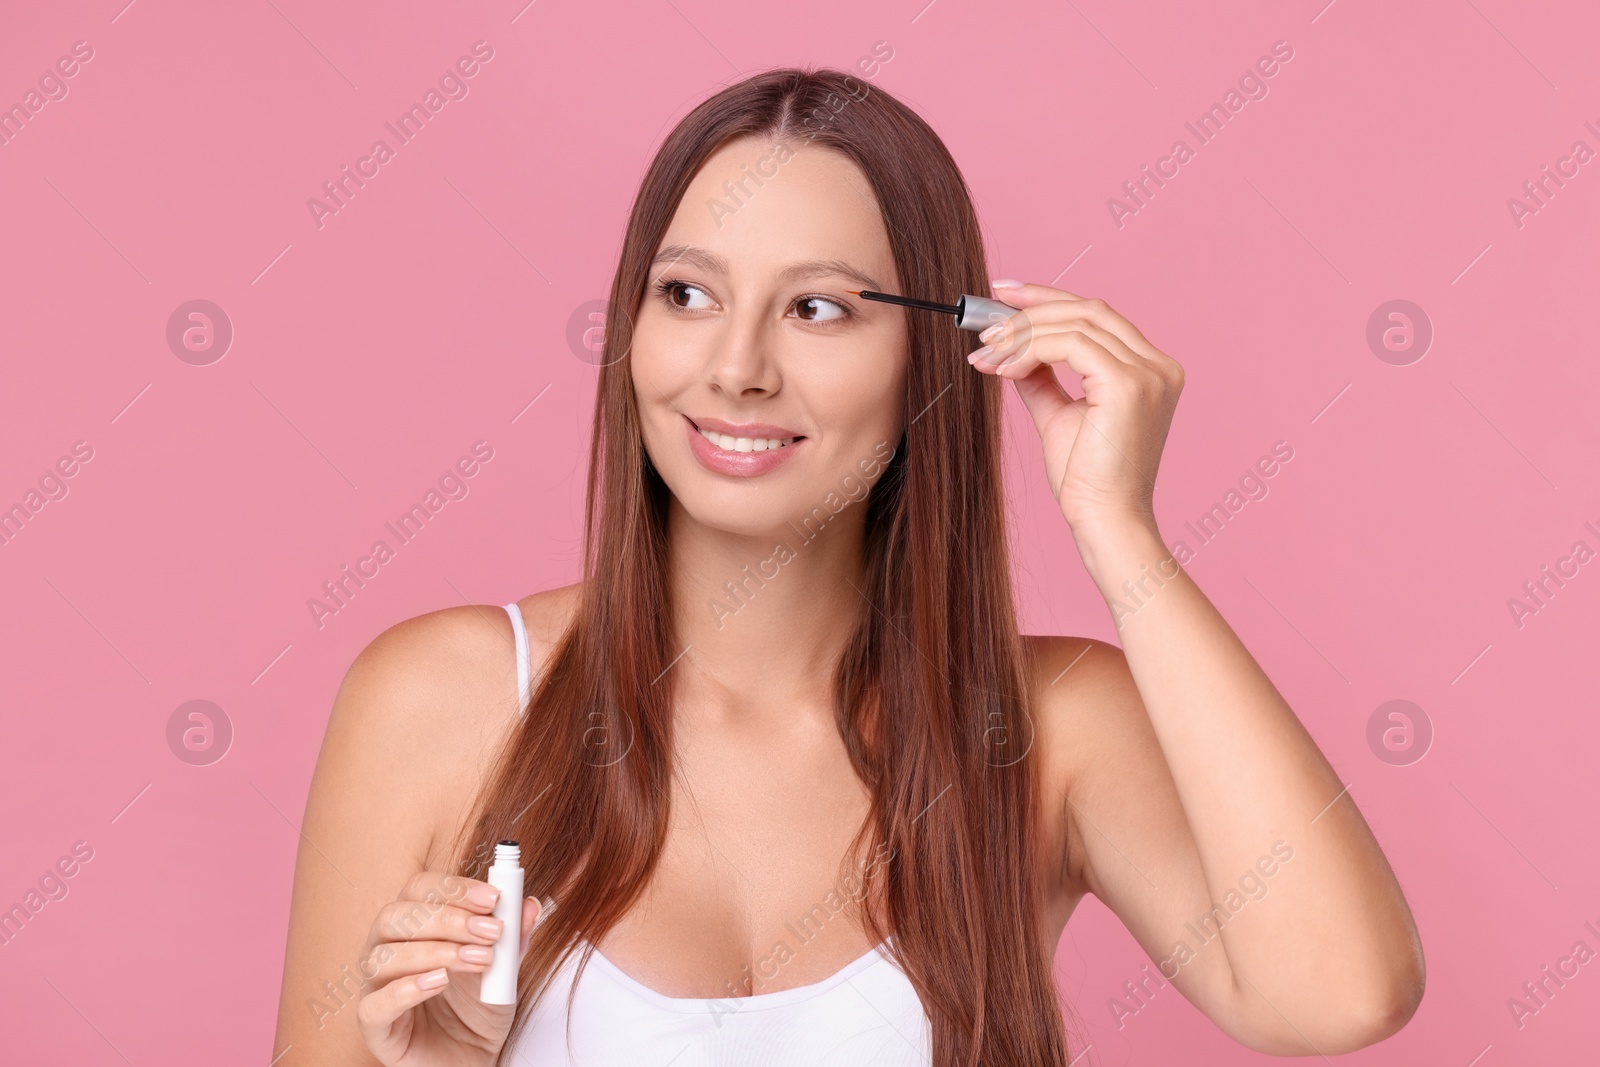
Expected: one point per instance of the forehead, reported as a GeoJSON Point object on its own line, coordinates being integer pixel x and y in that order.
{"type": "Point", "coordinates": [761, 214]}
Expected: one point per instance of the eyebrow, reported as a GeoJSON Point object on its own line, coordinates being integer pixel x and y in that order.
{"type": "Point", "coordinates": [808, 268]}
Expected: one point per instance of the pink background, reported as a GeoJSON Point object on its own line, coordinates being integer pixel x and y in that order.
{"type": "Point", "coordinates": [432, 310]}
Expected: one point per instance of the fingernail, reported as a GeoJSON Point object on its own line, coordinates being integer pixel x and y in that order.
{"type": "Point", "coordinates": [476, 953]}
{"type": "Point", "coordinates": [433, 979]}
{"type": "Point", "coordinates": [1006, 283]}
{"type": "Point", "coordinates": [484, 895]}
{"type": "Point", "coordinates": [484, 926]}
{"type": "Point", "coordinates": [992, 332]}
{"type": "Point", "coordinates": [980, 353]}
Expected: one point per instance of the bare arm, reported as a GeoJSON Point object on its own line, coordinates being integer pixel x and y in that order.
{"type": "Point", "coordinates": [1215, 828]}
{"type": "Point", "coordinates": [404, 745]}
{"type": "Point", "coordinates": [1211, 823]}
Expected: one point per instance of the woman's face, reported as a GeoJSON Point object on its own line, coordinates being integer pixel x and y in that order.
{"type": "Point", "coordinates": [746, 331]}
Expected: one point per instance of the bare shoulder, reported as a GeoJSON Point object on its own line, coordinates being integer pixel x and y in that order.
{"type": "Point", "coordinates": [420, 715]}
{"type": "Point", "coordinates": [1092, 727]}
{"type": "Point", "coordinates": [547, 616]}
{"type": "Point", "coordinates": [430, 701]}
{"type": "Point", "coordinates": [1085, 697]}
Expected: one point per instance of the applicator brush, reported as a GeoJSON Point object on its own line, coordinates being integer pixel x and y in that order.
{"type": "Point", "coordinates": [975, 313]}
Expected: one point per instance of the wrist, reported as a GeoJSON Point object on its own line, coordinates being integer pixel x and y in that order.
{"type": "Point", "coordinates": [1117, 548]}
{"type": "Point", "coordinates": [1105, 531]}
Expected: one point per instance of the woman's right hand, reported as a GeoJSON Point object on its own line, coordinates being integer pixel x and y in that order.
{"type": "Point", "coordinates": [429, 949]}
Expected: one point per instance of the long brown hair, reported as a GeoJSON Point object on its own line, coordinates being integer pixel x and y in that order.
{"type": "Point", "coordinates": [931, 693]}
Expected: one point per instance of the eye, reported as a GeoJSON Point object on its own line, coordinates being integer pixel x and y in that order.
{"type": "Point", "coordinates": [843, 311]}
{"type": "Point", "coordinates": [667, 289]}
{"type": "Point", "coordinates": [808, 308]}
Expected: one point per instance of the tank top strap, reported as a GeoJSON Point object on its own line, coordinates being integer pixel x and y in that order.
{"type": "Point", "coordinates": [524, 657]}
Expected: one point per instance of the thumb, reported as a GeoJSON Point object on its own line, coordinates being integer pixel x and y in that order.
{"type": "Point", "coordinates": [1043, 396]}
{"type": "Point", "coordinates": [531, 910]}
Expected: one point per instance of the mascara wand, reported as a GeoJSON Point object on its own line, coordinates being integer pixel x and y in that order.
{"type": "Point", "coordinates": [974, 313]}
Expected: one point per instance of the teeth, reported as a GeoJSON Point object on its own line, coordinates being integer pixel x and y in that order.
{"type": "Point", "coordinates": [746, 444]}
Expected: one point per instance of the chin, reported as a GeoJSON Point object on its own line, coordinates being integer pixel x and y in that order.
{"type": "Point", "coordinates": [738, 511]}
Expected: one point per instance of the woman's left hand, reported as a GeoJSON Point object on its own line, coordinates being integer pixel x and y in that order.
{"type": "Point", "coordinates": [1101, 450]}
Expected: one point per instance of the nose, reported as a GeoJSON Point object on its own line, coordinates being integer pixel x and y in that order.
{"type": "Point", "coordinates": [740, 363]}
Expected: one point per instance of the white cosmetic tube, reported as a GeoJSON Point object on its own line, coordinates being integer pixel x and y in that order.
{"type": "Point", "coordinates": [500, 980]}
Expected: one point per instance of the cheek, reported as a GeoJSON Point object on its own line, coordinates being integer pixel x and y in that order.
{"type": "Point", "coordinates": [861, 396]}
{"type": "Point", "coordinates": [661, 372]}
{"type": "Point", "coordinates": [650, 360]}
{"type": "Point", "coordinates": [655, 383]}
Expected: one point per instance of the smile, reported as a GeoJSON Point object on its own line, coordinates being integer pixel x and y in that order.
{"type": "Point", "coordinates": [746, 444]}
{"type": "Point", "coordinates": [760, 449]}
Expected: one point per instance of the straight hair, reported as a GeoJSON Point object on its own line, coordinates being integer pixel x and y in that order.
{"type": "Point", "coordinates": [931, 694]}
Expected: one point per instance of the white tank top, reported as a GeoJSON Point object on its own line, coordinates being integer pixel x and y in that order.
{"type": "Point", "coordinates": [867, 1013]}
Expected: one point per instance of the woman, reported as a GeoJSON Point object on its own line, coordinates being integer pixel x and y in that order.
{"type": "Point", "coordinates": [791, 785]}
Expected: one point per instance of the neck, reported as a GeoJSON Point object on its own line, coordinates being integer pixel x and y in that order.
{"type": "Point", "coordinates": [765, 617]}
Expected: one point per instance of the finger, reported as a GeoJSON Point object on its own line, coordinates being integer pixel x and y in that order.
{"type": "Point", "coordinates": [441, 887]}
{"type": "Point", "coordinates": [1074, 350]}
{"type": "Point", "coordinates": [400, 959]}
{"type": "Point", "coordinates": [1029, 294]}
{"type": "Point", "coordinates": [1094, 309]}
{"type": "Point", "coordinates": [410, 920]}
{"type": "Point", "coordinates": [379, 1012]}
{"type": "Point", "coordinates": [1015, 338]}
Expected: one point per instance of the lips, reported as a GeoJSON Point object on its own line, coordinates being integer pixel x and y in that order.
{"type": "Point", "coordinates": [741, 450]}
{"type": "Point", "coordinates": [765, 430]}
